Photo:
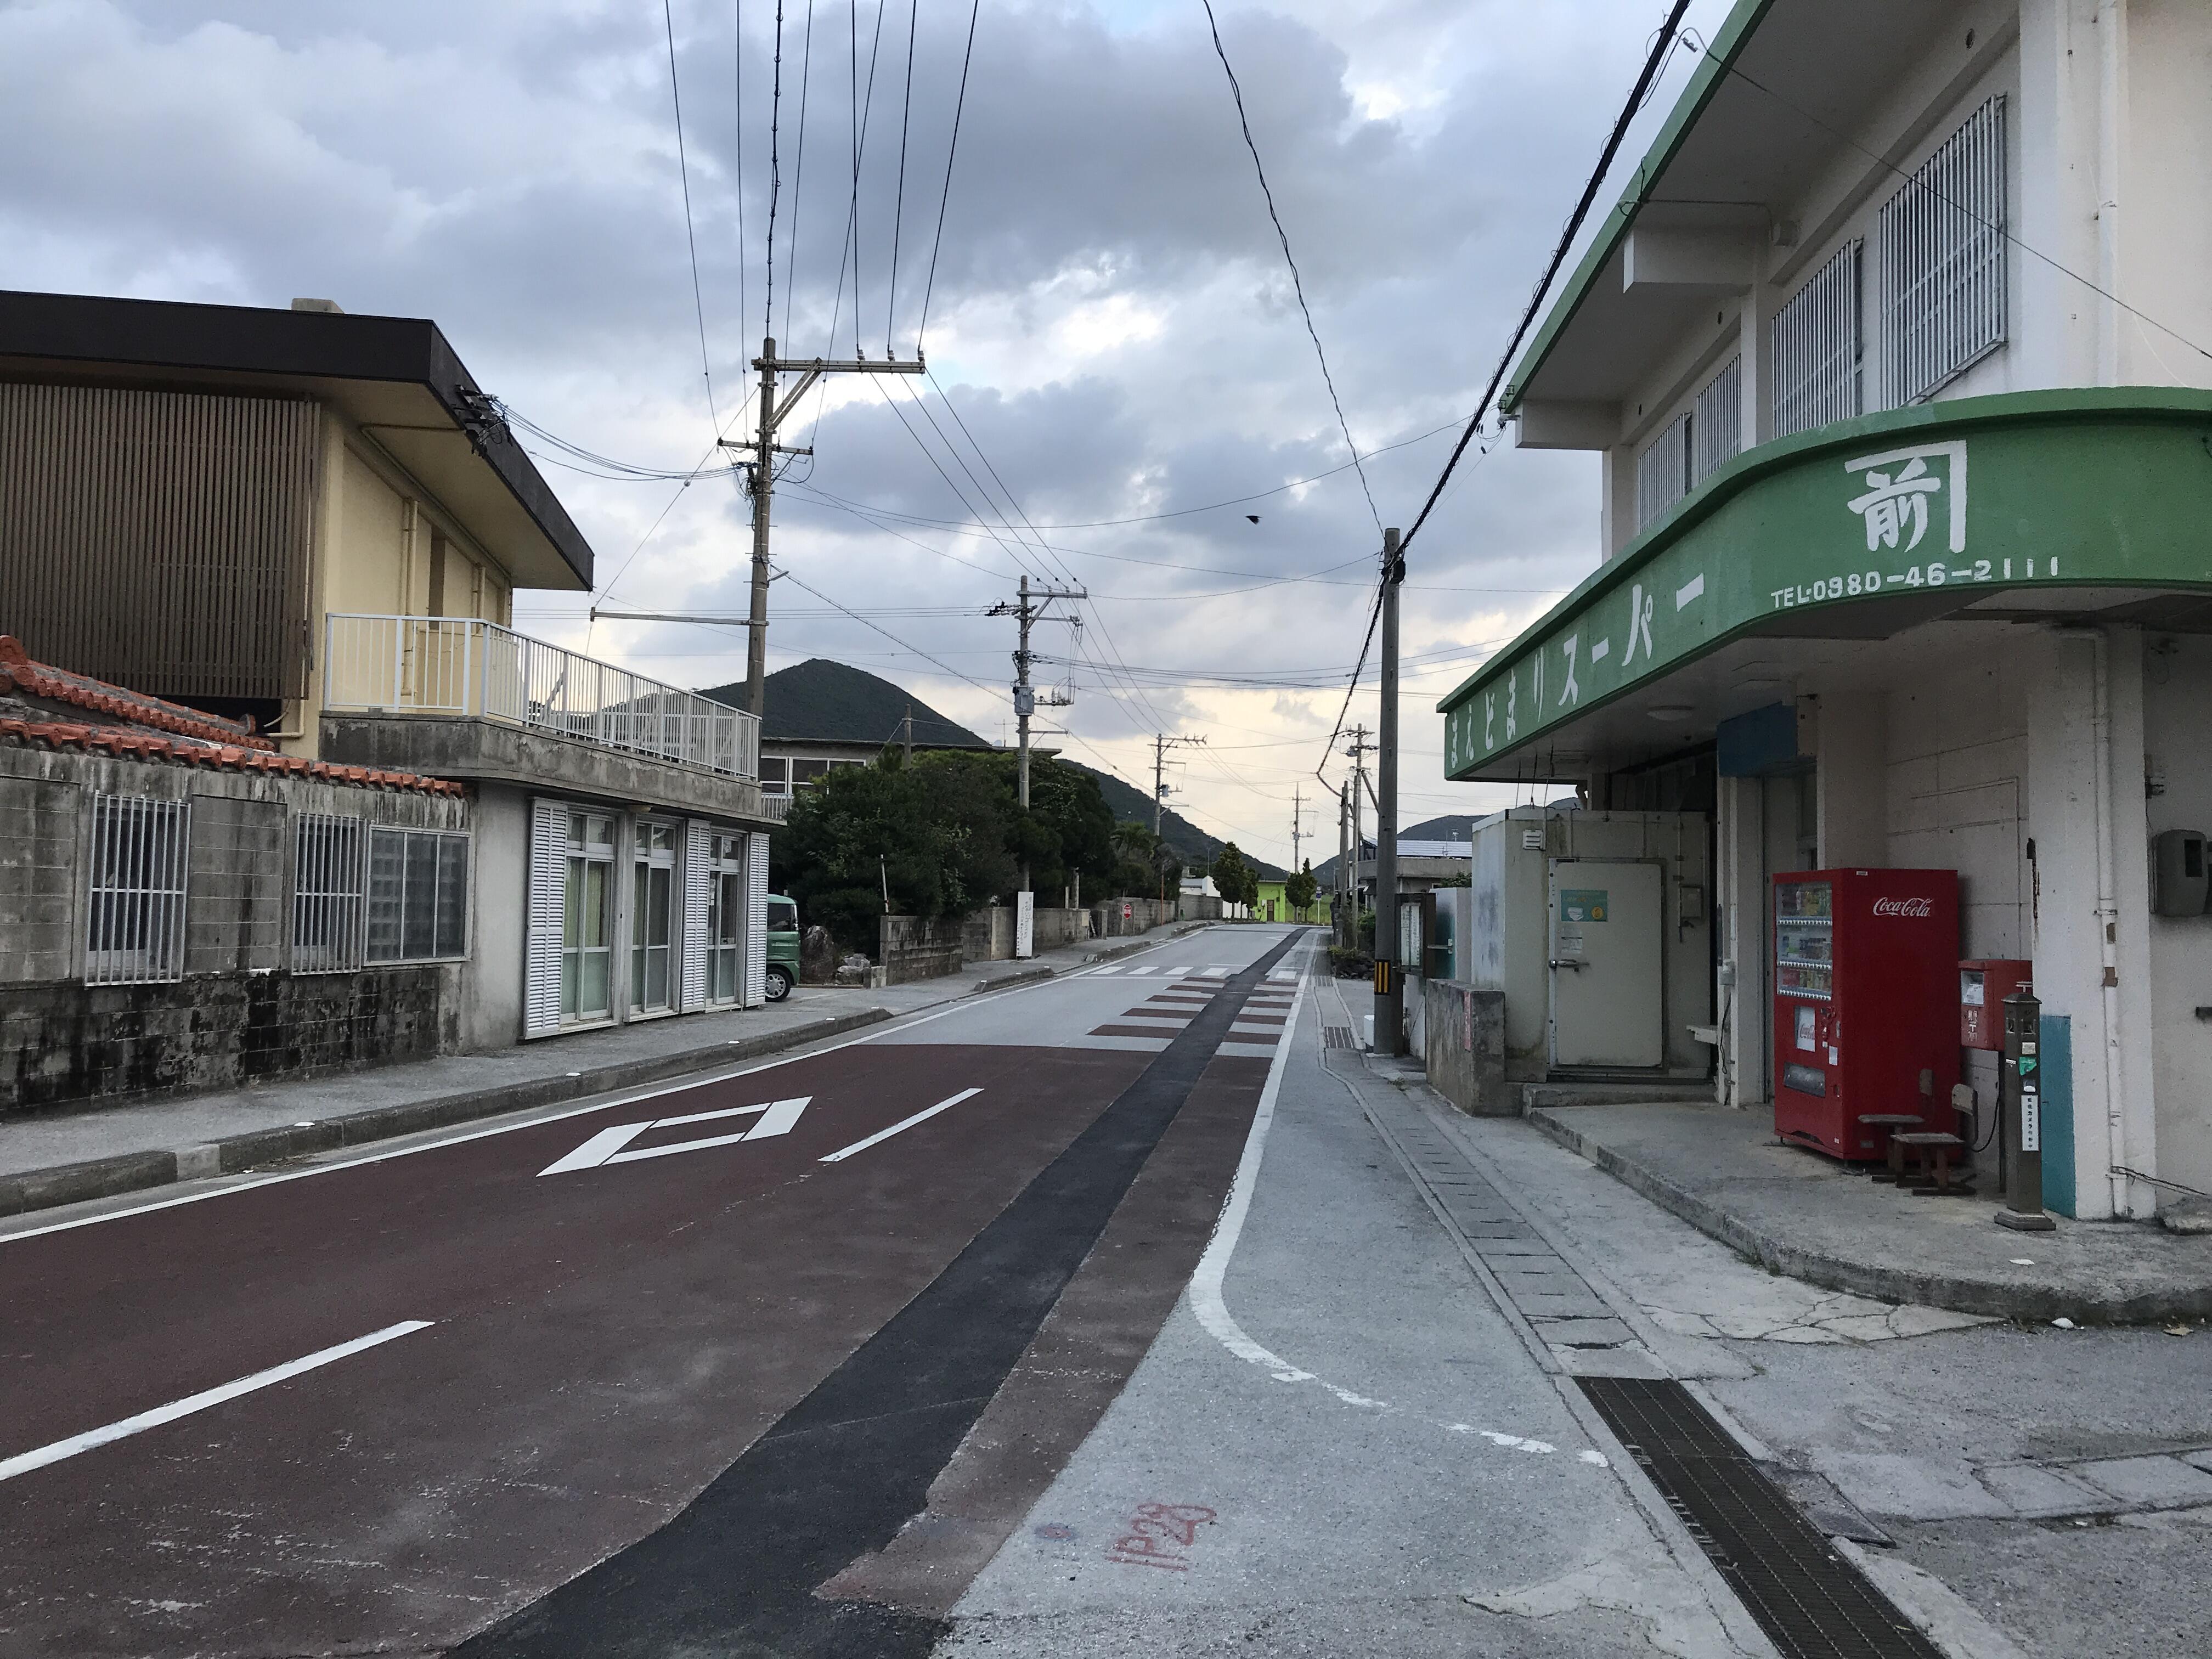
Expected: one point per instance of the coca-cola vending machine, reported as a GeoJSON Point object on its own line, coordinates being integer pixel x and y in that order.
{"type": "Point", "coordinates": [1866, 990]}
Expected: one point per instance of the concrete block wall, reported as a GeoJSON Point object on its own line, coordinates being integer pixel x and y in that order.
{"type": "Point", "coordinates": [238, 1014]}
{"type": "Point", "coordinates": [1145, 915]}
{"type": "Point", "coordinates": [1463, 1046]}
{"type": "Point", "coordinates": [910, 948]}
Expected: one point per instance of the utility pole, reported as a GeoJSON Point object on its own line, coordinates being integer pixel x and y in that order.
{"type": "Point", "coordinates": [909, 756]}
{"type": "Point", "coordinates": [1389, 986]}
{"type": "Point", "coordinates": [1343, 840]}
{"type": "Point", "coordinates": [1029, 609]}
{"type": "Point", "coordinates": [760, 479]}
{"type": "Point", "coordinates": [1161, 743]}
{"type": "Point", "coordinates": [1357, 750]}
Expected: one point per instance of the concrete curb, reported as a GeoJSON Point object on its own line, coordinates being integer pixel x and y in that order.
{"type": "Point", "coordinates": [1934, 1288]}
{"type": "Point", "coordinates": [131, 1172]}
{"type": "Point", "coordinates": [1024, 976]}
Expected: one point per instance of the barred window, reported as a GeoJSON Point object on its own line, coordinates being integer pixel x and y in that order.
{"type": "Point", "coordinates": [1942, 240]}
{"type": "Point", "coordinates": [1717, 422]}
{"type": "Point", "coordinates": [1816, 346]}
{"type": "Point", "coordinates": [1662, 471]}
{"type": "Point", "coordinates": [328, 880]}
{"type": "Point", "coordinates": [418, 889]}
{"type": "Point", "coordinates": [135, 915]}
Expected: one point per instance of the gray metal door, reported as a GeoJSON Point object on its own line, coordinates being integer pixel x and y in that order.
{"type": "Point", "coordinates": [1608, 963]}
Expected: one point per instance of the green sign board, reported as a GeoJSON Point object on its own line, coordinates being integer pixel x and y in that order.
{"type": "Point", "coordinates": [1908, 515]}
{"type": "Point", "coordinates": [1583, 904]}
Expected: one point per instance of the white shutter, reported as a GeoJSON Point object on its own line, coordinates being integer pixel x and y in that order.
{"type": "Point", "coordinates": [549, 870]}
{"type": "Point", "coordinates": [756, 919]}
{"type": "Point", "coordinates": [697, 847]}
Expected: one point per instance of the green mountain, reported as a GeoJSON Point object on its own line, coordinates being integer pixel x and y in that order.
{"type": "Point", "coordinates": [831, 701]}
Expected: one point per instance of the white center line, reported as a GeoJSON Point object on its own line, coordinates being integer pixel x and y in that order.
{"type": "Point", "coordinates": [24, 1462]}
{"type": "Point", "coordinates": [881, 1135]}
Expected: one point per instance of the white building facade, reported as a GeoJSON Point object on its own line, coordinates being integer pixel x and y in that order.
{"type": "Point", "coordinates": [1897, 354]}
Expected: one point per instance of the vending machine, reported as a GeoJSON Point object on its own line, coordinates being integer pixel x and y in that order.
{"type": "Point", "coordinates": [1866, 991]}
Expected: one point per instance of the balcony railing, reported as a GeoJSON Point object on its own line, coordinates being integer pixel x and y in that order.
{"type": "Point", "coordinates": [458, 666]}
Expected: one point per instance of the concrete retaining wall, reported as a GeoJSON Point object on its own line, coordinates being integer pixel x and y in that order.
{"type": "Point", "coordinates": [1463, 1046]}
{"type": "Point", "coordinates": [1107, 921]}
{"type": "Point", "coordinates": [908, 948]}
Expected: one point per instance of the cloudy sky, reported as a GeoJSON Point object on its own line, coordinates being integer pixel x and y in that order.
{"type": "Point", "coordinates": [1116, 353]}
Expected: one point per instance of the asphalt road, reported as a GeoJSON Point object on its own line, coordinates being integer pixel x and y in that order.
{"type": "Point", "coordinates": [634, 1377]}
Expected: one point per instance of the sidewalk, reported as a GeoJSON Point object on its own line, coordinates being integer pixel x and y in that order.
{"type": "Point", "coordinates": [1795, 1212]}
{"type": "Point", "coordinates": [67, 1157]}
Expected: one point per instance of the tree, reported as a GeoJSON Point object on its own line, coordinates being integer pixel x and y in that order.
{"type": "Point", "coordinates": [1236, 881]}
{"type": "Point", "coordinates": [1298, 890]}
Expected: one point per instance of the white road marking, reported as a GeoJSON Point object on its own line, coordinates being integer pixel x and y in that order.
{"type": "Point", "coordinates": [24, 1462]}
{"type": "Point", "coordinates": [881, 1136]}
{"type": "Point", "coordinates": [1140, 970]}
{"type": "Point", "coordinates": [895, 1027]}
{"type": "Point", "coordinates": [1110, 968]}
{"type": "Point", "coordinates": [607, 1146]}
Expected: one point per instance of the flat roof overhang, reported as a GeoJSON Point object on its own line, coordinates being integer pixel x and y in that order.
{"type": "Point", "coordinates": [1778, 82]}
{"type": "Point", "coordinates": [395, 377]}
{"type": "Point", "coordinates": [1841, 548]}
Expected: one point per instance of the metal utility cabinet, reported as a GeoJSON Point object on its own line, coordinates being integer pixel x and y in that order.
{"type": "Point", "coordinates": [1597, 927]}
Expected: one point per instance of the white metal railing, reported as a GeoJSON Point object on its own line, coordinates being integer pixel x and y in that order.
{"type": "Point", "coordinates": [458, 666]}
{"type": "Point", "coordinates": [1815, 342]}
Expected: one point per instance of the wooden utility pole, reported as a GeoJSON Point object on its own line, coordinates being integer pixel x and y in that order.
{"type": "Point", "coordinates": [1389, 986]}
{"type": "Point", "coordinates": [760, 479]}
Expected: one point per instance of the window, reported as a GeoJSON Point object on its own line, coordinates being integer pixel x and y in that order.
{"type": "Point", "coordinates": [1717, 422]}
{"type": "Point", "coordinates": [774, 775]}
{"type": "Point", "coordinates": [1691, 447]}
{"type": "Point", "coordinates": [1662, 471]}
{"type": "Point", "coordinates": [135, 917]}
{"type": "Point", "coordinates": [805, 771]}
{"type": "Point", "coordinates": [418, 889]}
{"type": "Point", "coordinates": [1815, 343]}
{"type": "Point", "coordinates": [586, 921]}
{"type": "Point", "coordinates": [328, 896]}
{"type": "Point", "coordinates": [1942, 240]}
{"type": "Point", "coordinates": [725, 918]}
{"type": "Point", "coordinates": [782, 916]}
{"type": "Point", "coordinates": [654, 858]}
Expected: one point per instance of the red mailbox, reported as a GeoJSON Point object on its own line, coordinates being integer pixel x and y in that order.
{"type": "Point", "coordinates": [1984, 984]}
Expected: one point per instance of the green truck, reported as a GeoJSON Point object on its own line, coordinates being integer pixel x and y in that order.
{"type": "Point", "coordinates": [783, 946]}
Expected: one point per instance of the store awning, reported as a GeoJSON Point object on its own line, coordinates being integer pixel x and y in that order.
{"type": "Point", "coordinates": [2030, 507]}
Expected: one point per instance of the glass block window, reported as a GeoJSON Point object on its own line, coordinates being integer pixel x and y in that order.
{"type": "Point", "coordinates": [418, 895]}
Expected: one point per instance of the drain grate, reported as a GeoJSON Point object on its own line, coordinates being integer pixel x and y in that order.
{"type": "Point", "coordinates": [1811, 1602]}
{"type": "Point", "coordinates": [1336, 1037]}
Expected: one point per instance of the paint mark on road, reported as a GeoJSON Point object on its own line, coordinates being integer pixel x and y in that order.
{"type": "Point", "coordinates": [776, 1118]}
{"type": "Point", "coordinates": [904, 1123]}
{"type": "Point", "coordinates": [24, 1462]}
{"type": "Point", "coordinates": [1158, 1534]}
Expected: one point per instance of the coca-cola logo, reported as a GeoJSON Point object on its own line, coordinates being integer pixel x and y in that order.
{"type": "Point", "coordinates": [1903, 906]}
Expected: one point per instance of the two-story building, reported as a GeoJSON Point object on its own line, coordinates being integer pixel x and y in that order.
{"type": "Point", "coordinates": [1896, 355]}
{"type": "Point", "coordinates": [308, 528]}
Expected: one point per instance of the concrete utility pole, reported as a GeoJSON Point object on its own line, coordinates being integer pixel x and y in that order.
{"type": "Point", "coordinates": [1389, 988]}
{"type": "Point", "coordinates": [909, 724]}
{"type": "Point", "coordinates": [1357, 750]}
{"type": "Point", "coordinates": [1343, 840]}
{"type": "Point", "coordinates": [760, 479]}
{"type": "Point", "coordinates": [1161, 743]}
{"type": "Point", "coordinates": [1030, 608]}
{"type": "Point", "coordinates": [1298, 824]}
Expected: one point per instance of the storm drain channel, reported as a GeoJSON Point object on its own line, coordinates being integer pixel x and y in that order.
{"type": "Point", "coordinates": [1811, 1602]}
{"type": "Point", "coordinates": [1808, 1599]}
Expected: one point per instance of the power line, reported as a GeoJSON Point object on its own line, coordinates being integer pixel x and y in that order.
{"type": "Point", "coordinates": [1298, 285]}
{"type": "Point", "coordinates": [690, 236]}
{"type": "Point", "coordinates": [775, 171]}
{"type": "Point", "coordinates": [738, 101]}
{"type": "Point", "coordinates": [799, 172]}
{"type": "Point", "coordinates": [951, 152]}
{"type": "Point", "coordinates": [898, 209]}
{"type": "Point", "coordinates": [1700, 43]}
{"type": "Point", "coordinates": [1662, 45]}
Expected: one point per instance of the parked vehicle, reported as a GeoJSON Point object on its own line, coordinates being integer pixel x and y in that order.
{"type": "Point", "coordinates": [783, 946]}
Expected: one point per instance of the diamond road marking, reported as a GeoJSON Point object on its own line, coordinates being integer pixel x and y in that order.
{"type": "Point", "coordinates": [776, 1118]}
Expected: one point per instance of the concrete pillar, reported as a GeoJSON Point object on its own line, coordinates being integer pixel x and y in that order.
{"type": "Point", "coordinates": [1740, 886]}
{"type": "Point", "coordinates": [1853, 781]}
{"type": "Point", "coordinates": [2113, 1117]}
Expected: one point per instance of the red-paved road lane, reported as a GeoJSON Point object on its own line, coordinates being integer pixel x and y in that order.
{"type": "Point", "coordinates": [603, 1341]}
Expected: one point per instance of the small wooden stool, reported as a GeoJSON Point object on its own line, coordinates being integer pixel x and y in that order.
{"type": "Point", "coordinates": [1892, 1122]}
{"type": "Point", "coordinates": [1933, 1151]}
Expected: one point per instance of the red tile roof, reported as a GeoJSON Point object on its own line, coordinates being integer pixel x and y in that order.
{"type": "Point", "coordinates": [45, 680]}
{"type": "Point", "coordinates": [125, 743]}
